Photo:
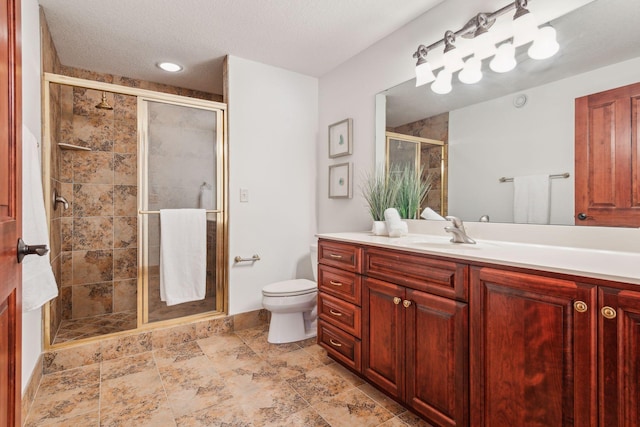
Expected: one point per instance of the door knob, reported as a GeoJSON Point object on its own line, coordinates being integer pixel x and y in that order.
{"type": "Point", "coordinates": [24, 250]}
{"type": "Point", "coordinates": [582, 216]}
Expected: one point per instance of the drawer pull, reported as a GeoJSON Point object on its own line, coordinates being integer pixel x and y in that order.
{"type": "Point", "coordinates": [396, 300]}
{"type": "Point", "coordinates": [608, 312]}
{"type": "Point", "coordinates": [334, 343]}
{"type": "Point", "coordinates": [335, 313]}
{"type": "Point", "coordinates": [406, 303]}
{"type": "Point", "coordinates": [335, 256]}
{"type": "Point", "coordinates": [580, 306]}
{"type": "Point", "coordinates": [335, 283]}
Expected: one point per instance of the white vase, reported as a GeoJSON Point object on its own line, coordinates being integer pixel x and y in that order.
{"type": "Point", "coordinates": [379, 228]}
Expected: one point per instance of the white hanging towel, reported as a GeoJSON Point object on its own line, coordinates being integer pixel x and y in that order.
{"type": "Point", "coordinates": [38, 282]}
{"type": "Point", "coordinates": [183, 255]}
{"type": "Point", "coordinates": [531, 199]}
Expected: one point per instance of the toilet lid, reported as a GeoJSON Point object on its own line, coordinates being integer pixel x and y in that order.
{"type": "Point", "coordinates": [290, 288]}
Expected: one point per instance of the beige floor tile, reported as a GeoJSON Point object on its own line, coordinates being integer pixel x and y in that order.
{"type": "Point", "coordinates": [411, 419]}
{"type": "Point", "coordinates": [127, 365]}
{"type": "Point", "coordinates": [269, 404]}
{"type": "Point", "coordinates": [256, 375]}
{"type": "Point", "coordinates": [382, 399]}
{"type": "Point", "coordinates": [89, 419]}
{"type": "Point", "coordinates": [393, 422]}
{"type": "Point", "coordinates": [227, 414]}
{"type": "Point", "coordinates": [352, 408]}
{"type": "Point", "coordinates": [319, 384]}
{"type": "Point", "coordinates": [234, 355]}
{"type": "Point", "coordinates": [192, 385]}
{"type": "Point", "coordinates": [65, 394]}
{"type": "Point", "coordinates": [308, 417]}
{"type": "Point", "coordinates": [319, 353]}
{"type": "Point", "coordinates": [168, 355]}
{"type": "Point", "coordinates": [292, 364]}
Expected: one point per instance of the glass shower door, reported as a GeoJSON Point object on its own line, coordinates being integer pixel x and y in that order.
{"type": "Point", "coordinates": [182, 165]}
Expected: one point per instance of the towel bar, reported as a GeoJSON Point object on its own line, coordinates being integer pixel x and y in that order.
{"type": "Point", "coordinates": [252, 259]}
{"type": "Point", "coordinates": [555, 175]}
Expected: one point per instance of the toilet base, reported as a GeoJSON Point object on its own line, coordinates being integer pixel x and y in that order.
{"type": "Point", "coordinates": [290, 327]}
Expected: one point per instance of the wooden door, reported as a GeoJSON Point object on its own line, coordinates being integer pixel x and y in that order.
{"type": "Point", "coordinates": [532, 351]}
{"type": "Point", "coordinates": [383, 335]}
{"type": "Point", "coordinates": [437, 370]}
{"type": "Point", "coordinates": [619, 358]}
{"type": "Point", "coordinates": [606, 158]}
{"type": "Point", "coordinates": [10, 213]}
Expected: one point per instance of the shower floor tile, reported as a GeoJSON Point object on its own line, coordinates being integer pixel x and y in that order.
{"type": "Point", "coordinates": [87, 327]}
{"type": "Point", "coordinates": [235, 379]}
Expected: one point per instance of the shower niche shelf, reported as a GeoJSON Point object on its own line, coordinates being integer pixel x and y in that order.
{"type": "Point", "coordinates": [71, 147]}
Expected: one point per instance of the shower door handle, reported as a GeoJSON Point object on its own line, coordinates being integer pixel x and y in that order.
{"type": "Point", "coordinates": [24, 250]}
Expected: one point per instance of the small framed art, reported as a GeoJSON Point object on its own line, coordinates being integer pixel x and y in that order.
{"type": "Point", "coordinates": [340, 136]}
{"type": "Point", "coordinates": [340, 182]}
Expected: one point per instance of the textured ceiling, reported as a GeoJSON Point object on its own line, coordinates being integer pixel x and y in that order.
{"type": "Point", "coordinates": [128, 37]}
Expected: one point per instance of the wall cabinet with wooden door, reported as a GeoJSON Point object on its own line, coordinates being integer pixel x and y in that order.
{"type": "Point", "coordinates": [552, 352]}
{"type": "Point", "coordinates": [414, 340]}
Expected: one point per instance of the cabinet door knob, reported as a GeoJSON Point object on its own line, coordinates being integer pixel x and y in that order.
{"type": "Point", "coordinates": [335, 283]}
{"type": "Point", "coordinates": [335, 343]}
{"type": "Point", "coordinates": [335, 313]}
{"type": "Point", "coordinates": [608, 312]}
{"type": "Point", "coordinates": [580, 306]}
{"type": "Point", "coordinates": [396, 300]}
{"type": "Point", "coordinates": [406, 303]}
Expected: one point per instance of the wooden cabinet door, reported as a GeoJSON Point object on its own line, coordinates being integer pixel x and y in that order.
{"type": "Point", "coordinates": [10, 213]}
{"type": "Point", "coordinates": [619, 358]}
{"type": "Point", "coordinates": [437, 358]}
{"type": "Point", "coordinates": [532, 352]}
{"type": "Point", "coordinates": [607, 189]}
{"type": "Point", "coordinates": [383, 335]}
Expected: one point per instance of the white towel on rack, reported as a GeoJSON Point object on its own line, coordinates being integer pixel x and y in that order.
{"type": "Point", "coordinates": [183, 255]}
{"type": "Point", "coordinates": [531, 199]}
{"type": "Point", "coordinates": [38, 283]}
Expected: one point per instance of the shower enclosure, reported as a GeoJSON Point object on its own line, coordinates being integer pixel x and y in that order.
{"type": "Point", "coordinates": [113, 156]}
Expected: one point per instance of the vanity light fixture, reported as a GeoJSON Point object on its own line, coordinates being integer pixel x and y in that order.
{"type": "Point", "coordinates": [525, 31]}
{"type": "Point", "coordinates": [171, 67]}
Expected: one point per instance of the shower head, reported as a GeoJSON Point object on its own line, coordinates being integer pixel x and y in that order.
{"type": "Point", "coordinates": [104, 105]}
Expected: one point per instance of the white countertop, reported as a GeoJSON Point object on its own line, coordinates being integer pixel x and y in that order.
{"type": "Point", "coordinates": [601, 264]}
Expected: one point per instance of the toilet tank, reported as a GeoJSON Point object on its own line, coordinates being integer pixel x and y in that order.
{"type": "Point", "coordinates": [314, 261]}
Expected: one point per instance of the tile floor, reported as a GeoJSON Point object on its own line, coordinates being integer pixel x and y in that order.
{"type": "Point", "coordinates": [235, 379]}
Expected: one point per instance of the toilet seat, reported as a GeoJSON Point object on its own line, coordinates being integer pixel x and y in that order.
{"type": "Point", "coordinates": [290, 288]}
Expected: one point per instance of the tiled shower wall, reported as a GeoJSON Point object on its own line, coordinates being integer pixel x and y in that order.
{"type": "Point", "coordinates": [99, 230]}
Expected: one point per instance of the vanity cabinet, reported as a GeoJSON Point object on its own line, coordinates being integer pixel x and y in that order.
{"type": "Point", "coordinates": [339, 296]}
{"type": "Point", "coordinates": [414, 340]}
{"type": "Point", "coordinates": [552, 352]}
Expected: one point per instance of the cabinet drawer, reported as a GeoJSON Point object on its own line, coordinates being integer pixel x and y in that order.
{"type": "Point", "coordinates": [339, 313]}
{"type": "Point", "coordinates": [340, 345]}
{"type": "Point", "coordinates": [420, 272]}
{"type": "Point", "coordinates": [340, 255]}
{"type": "Point", "coordinates": [339, 283]}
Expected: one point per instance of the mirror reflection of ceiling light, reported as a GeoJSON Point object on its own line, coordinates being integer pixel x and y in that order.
{"type": "Point", "coordinates": [171, 67]}
{"type": "Point", "coordinates": [524, 31]}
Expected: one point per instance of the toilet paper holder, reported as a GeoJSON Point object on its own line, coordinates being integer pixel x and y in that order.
{"type": "Point", "coordinates": [252, 259]}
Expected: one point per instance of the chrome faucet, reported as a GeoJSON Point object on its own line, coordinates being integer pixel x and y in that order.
{"type": "Point", "coordinates": [458, 231]}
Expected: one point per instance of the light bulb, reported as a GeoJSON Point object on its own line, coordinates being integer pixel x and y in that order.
{"type": "Point", "coordinates": [424, 74]}
{"type": "Point", "coordinates": [505, 59]}
{"type": "Point", "coordinates": [442, 85]}
{"type": "Point", "coordinates": [483, 46]}
{"type": "Point", "coordinates": [545, 45]}
{"type": "Point", "coordinates": [452, 60]}
{"type": "Point", "coordinates": [525, 27]}
{"type": "Point", "coordinates": [471, 73]}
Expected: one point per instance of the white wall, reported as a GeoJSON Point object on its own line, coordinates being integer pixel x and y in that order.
{"type": "Point", "coordinates": [350, 89]}
{"type": "Point", "coordinates": [273, 126]}
{"type": "Point", "coordinates": [494, 139]}
{"type": "Point", "coordinates": [31, 117]}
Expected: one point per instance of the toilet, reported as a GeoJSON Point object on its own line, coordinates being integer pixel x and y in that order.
{"type": "Point", "coordinates": [293, 307]}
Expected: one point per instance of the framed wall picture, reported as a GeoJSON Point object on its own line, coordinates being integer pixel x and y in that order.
{"type": "Point", "coordinates": [340, 182]}
{"type": "Point", "coordinates": [340, 136]}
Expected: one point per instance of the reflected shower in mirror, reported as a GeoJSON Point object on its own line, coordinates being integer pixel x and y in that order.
{"type": "Point", "coordinates": [522, 123]}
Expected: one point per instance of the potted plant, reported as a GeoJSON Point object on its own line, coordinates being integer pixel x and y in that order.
{"type": "Point", "coordinates": [379, 190]}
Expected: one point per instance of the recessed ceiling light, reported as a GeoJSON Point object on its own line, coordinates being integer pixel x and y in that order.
{"type": "Point", "coordinates": [169, 66]}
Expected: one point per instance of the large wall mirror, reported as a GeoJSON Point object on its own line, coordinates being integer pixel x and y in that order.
{"type": "Point", "coordinates": [522, 122]}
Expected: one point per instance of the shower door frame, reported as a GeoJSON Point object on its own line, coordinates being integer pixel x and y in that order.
{"type": "Point", "coordinates": [222, 217]}
{"type": "Point", "coordinates": [143, 212]}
